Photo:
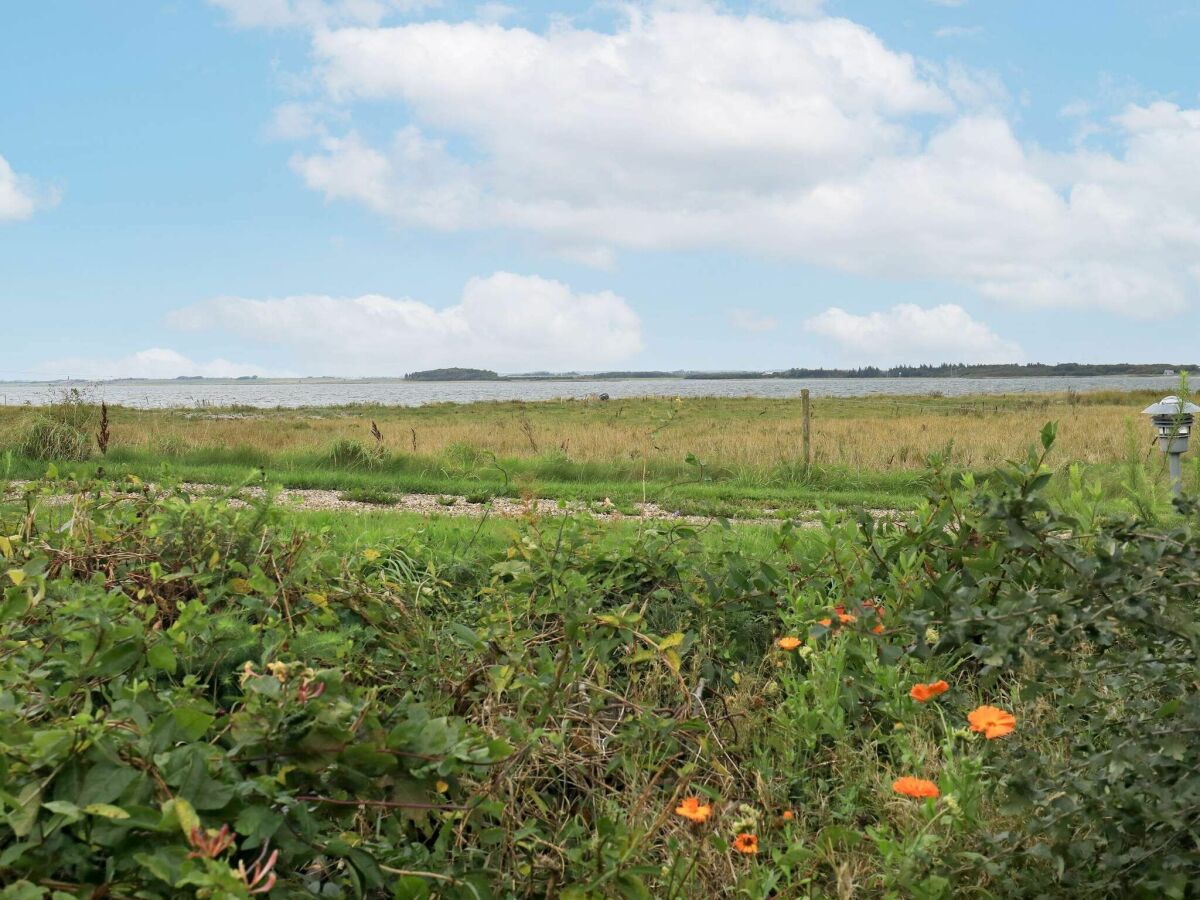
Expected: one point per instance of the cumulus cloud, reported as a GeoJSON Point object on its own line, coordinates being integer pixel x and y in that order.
{"type": "Point", "coordinates": [912, 334]}
{"type": "Point", "coordinates": [505, 321]}
{"type": "Point", "coordinates": [157, 362]}
{"type": "Point", "coordinates": [690, 126]}
{"type": "Point", "coordinates": [20, 196]}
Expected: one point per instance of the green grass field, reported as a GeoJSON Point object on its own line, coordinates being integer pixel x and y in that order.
{"type": "Point", "coordinates": [728, 457]}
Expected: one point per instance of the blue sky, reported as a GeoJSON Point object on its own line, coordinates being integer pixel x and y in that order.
{"type": "Point", "coordinates": [374, 186]}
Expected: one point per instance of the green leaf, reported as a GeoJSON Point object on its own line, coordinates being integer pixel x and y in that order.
{"type": "Point", "coordinates": [1049, 433]}
{"type": "Point", "coordinates": [178, 813]}
{"type": "Point", "coordinates": [191, 722]}
{"type": "Point", "coordinates": [257, 822]}
{"type": "Point", "coordinates": [162, 657]}
{"type": "Point", "coordinates": [65, 808]}
{"type": "Point", "coordinates": [105, 811]}
{"type": "Point", "coordinates": [23, 890]}
{"type": "Point", "coordinates": [21, 820]}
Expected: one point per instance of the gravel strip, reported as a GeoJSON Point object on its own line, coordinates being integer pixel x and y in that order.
{"type": "Point", "coordinates": [307, 499]}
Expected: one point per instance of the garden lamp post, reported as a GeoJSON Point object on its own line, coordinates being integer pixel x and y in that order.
{"type": "Point", "coordinates": [1172, 419]}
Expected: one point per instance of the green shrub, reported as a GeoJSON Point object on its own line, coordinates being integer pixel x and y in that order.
{"type": "Point", "coordinates": [63, 431]}
{"type": "Point", "coordinates": [351, 454]}
{"type": "Point", "coordinates": [53, 439]}
{"type": "Point", "coordinates": [188, 688]}
{"type": "Point", "coordinates": [1090, 629]}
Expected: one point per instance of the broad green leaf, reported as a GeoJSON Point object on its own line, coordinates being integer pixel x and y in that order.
{"type": "Point", "coordinates": [177, 812]}
{"type": "Point", "coordinates": [162, 657]}
{"type": "Point", "coordinates": [105, 811]}
{"type": "Point", "coordinates": [22, 819]}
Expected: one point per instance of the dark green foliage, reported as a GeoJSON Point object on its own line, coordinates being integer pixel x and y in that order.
{"type": "Point", "coordinates": [1093, 631]}
{"type": "Point", "coordinates": [400, 721]}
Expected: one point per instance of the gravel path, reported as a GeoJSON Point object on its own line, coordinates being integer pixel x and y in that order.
{"type": "Point", "coordinates": [457, 505]}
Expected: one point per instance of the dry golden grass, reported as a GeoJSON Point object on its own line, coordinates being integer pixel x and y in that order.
{"type": "Point", "coordinates": [871, 434]}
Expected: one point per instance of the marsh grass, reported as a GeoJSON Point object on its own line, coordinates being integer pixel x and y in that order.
{"type": "Point", "coordinates": [869, 450]}
{"type": "Point", "coordinates": [879, 434]}
{"type": "Point", "coordinates": [62, 430]}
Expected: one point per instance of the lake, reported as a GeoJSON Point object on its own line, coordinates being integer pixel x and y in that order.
{"type": "Point", "coordinates": [296, 393]}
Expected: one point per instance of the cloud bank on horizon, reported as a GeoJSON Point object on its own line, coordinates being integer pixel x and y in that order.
{"type": "Point", "coordinates": [501, 322]}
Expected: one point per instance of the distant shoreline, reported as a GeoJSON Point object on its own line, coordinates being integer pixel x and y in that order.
{"type": "Point", "coordinates": [939, 373]}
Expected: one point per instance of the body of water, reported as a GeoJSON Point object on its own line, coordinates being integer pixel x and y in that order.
{"type": "Point", "coordinates": [296, 393]}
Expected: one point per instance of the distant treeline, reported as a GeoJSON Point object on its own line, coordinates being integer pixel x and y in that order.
{"type": "Point", "coordinates": [949, 370]}
{"type": "Point", "coordinates": [944, 370]}
{"type": "Point", "coordinates": [453, 374]}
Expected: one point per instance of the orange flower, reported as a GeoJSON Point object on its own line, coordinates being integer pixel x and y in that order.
{"type": "Point", "coordinates": [825, 622]}
{"type": "Point", "coordinates": [992, 722]}
{"type": "Point", "coordinates": [693, 810]}
{"type": "Point", "coordinates": [788, 815]}
{"type": "Point", "coordinates": [746, 843]}
{"type": "Point", "coordinates": [844, 617]}
{"type": "Point", "coordinates": [877, 607]}
{"type": "Point", "coordinates": [915, 787]}
{"type": "Point", "coordinates": [923, 692]}
{"type": "Point", "coordinates": [788, 643]}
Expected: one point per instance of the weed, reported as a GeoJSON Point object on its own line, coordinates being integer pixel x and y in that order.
{"type": "Point", "coordinates": [351, 454]}
{"type": "Point", "coordinates": [372, 495]}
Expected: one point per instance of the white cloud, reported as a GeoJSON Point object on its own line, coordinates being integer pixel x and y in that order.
{"type": "Point", "coordinates": [296, 121]}
{"type": "Point", "coordinates": [157, 362]}
{"type": "Point", "coordinates": [506, 322]}
{"type": "Point", "coordinates": [911, 334]}
{"type": "Point", "coordinates": [315, 13]}
{"type": "Point", "coordinates": [20, 196]}
{"type": "Point", "coordinates": [693, 127]}
{"type": "Point", "coordinates": [751, 321]}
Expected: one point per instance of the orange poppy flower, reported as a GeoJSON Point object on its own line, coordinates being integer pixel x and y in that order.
{"type": "Point", "coordinates": [825, 622]}
{"type": "Point", "coordinates": [788, 815]}
{"type": "Point", "coordinates": [746, 843]}
{"type": "Point", "coordinates": [915, 787]}
{"type": "Point", "coordinates": [788, 643]}
{"type": "Point", "coordinates": [693, 810]}
{"type": "Point", "coordinates": [878, 629]}
{"type": "Point", "coordinates": [991, 722]}
{"type": "Point", "coordinates": [923, 692]}
{"type": "Point", "coordinates": [844, 617]}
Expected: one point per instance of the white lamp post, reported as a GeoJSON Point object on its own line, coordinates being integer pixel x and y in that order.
{"type": "Point", "coordinates": [1172, 420]}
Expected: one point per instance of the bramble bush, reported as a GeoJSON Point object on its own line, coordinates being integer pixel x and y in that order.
{"type": "Point", "coordinates": [993, 697]}
{"type": "Point", "coordinates": [1090, 628]}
